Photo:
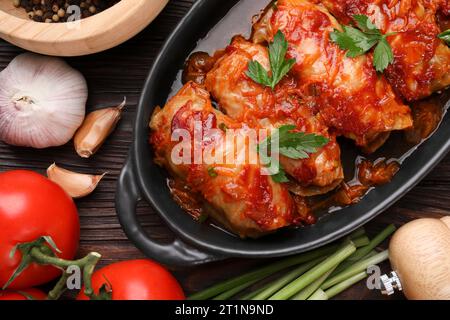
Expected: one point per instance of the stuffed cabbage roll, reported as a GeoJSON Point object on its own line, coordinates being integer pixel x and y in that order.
{"type": "Point", "coordinates": [245, 100]}
{"type": "Point", "coordinates": [422, 61]}
{"type": "Point", "coordinates": [243, 199]}
{"type": "Point", "coordinates": [347, 92]}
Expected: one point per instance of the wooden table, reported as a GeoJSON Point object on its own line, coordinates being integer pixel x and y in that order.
{"type": "Point", "coordinates": [121, 72]}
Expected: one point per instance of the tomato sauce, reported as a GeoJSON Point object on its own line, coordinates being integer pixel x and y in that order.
{"type": "Point", "coordinates": [421, 60]}
{"type": "Point", "coordinates": [363, 172]}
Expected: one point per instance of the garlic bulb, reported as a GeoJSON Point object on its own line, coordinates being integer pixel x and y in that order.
{"type": "Point", "coordinates": [42, 101]}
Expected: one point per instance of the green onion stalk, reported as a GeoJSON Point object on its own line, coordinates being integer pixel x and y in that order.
{"type": "Point", "coordinates": [262, 272]}
{"type": "Point", "coordinates": [337, 289]}
{"type": "Point", "coordinates": [305, 293]}
{"type": "Point", "coordinates": [272, 288]}
{"type": "Point", "coordinates": [356, 268]}
{"type": "Point", "coordinates": [315, 273]}
{"type": "Point", "coordinates": [364, 251]}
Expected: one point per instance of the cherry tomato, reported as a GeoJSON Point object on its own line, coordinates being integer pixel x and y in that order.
{"type": "Point", "coordinates": [137, 280]}
{"type": "Point", "coordinates": [31, 206]}
{"type": "Point", "coordinates": [27, 294]}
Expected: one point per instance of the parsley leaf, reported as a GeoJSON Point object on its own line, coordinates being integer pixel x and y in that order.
{"type": "Point", "coordinates": [363, 22]}
{"type": "Point", "coordinates": [203, 217]}
{"type": "Point", "coordinates": [291, 144]}
{"type": "Point", "coordinates": [212, 172]}
{"type": "Point", "coordinates": [280, 177]}
{"type": "Point", "coordinates": [276, 171]}
{"type": "Point", "coordinates": [382, 56]}
{"type": "Point", "coordinates": [445, 36]}
{"type": "Point", "coordinates": [298, 145]}
{"type": "Point", "coordinates": [223, 127]}
{"type": "Point", "coordinates": [278, 63]}
{"type": "Point", "coordinates": [360, 41]}
{"type": "Point", "coordinates": [258, 74]}
{"type": "Point", "coordinates": [346, 42]}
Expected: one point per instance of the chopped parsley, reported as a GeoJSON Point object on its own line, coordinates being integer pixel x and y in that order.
{"type": "Point", "coordinates": [358, 41]}
{"type": "Point", "coordinates": [293, 145]}
{"type": "Point", "coordinates": [445, 36]}
{"type": "Point", "coordinates": [279, 65]}
{"type": "Point", "coordinates": [212, 172]}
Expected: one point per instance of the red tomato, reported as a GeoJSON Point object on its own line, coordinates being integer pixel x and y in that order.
{"type": "Point", "coordinates": [137, 280]}
{"type": "Point", "coordinates": [31, 206]}
{"type": "Point", "coordinates": [26, 294]}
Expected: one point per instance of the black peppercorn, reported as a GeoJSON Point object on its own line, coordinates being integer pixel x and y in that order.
{"type": "Point", "coordinates": [57, 10]}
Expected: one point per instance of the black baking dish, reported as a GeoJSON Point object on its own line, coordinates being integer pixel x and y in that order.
{"type": "Point", "coordinates": [200, 243]}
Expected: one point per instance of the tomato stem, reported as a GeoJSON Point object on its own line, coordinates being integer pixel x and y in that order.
{"type": "Point", "coordinates": [43, 251]}
{"type": "Point", "coordinates": [86, 264]}
{"type": "Point", "coordinates": [59, 288]}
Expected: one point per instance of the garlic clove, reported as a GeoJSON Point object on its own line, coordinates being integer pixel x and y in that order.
{"type": "Point", "coordinates": [97, 126]}
{"type": "Point", "coordinates": [76, 185]}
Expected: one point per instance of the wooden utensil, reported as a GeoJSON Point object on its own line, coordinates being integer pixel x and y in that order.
{"type": "Point", "coordinates": [96, 33]}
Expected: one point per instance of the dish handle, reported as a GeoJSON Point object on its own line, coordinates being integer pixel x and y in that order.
{"type": "Point", "coordinates": [177, 253]}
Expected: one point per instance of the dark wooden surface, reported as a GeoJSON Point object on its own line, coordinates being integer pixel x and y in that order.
{"type": "Point", "coordinates": [121, 72]}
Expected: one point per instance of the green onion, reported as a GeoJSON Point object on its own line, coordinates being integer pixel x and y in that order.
{"type": "Point", "coordinates": [344, 285]}
{"type": "Point", "coordinates": [319, 295]}
{"type": "Point", "coordinates": [383, 235]}
{"type": "Point", "coordinates": [356, 268]}
{"type": "Point", "coordinates": [313, 287]}
{"type": "Point", "coordinates": [232, 292]}
{"type": "Point", "coordinates": [346, 264]}
{"type": "Point", "coordinates": [315, 273]}
{"type": "Point", "coordinates": [364, 251]}
{"type": "Point", "coordinates": [283, 281]}
{"type": "Point", "coordinates": [337, 289]}
{"type": "Point", "coordinates": [251, 295]}
{"type": "Point", "coordinates": [262, 272]}
{"type": "Point", "coordinates": [361, 242]}
{"type": "Point", "coordinates": [358, 233]}
{"type": "Point", "coordinates": [371, 254]}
